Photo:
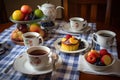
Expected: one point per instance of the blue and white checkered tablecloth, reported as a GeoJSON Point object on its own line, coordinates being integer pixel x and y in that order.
{"type": "Point", "coordinates": [67, 71]}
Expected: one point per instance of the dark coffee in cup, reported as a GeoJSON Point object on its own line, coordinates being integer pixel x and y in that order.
{"type": "Point", "coordinates": [38, 52]}
{"type": "Point", "coordinates": [105, 35]}
{"type": "Point", "coordinates": [30, 36]}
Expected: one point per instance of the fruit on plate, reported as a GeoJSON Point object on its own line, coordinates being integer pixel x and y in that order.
{"type": "Point", "coordinates": [47, 23]}
{"type": "Point", "coordinates": [17, 15]}
{"type": "Point", "coordinates": [101, 58]}
{"type": "Point", "coordinates": [103, 52]}
{"type": "Point", "coordinates": [91, 59]}
{"type": "Point", "coordinates": [23, 28]}
{"type": "Point", "coordinates": [17, 35]}
{"type": "Point", "coordinates": [93, 52]}
{"type": "Point", "coordinates": [38, 13]}
{"type": "Point", "coordinates": [106, 59]}
{"type": "Point", "coordinates": [26, 9]}
{"type": "Point", "coordinates": [34, 27]}
{"type": "Point", "coordinates": [26, 13]}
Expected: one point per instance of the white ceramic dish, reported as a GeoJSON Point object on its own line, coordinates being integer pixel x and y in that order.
{"type": "Point", "coordinates": [22, 65]}
{"type": "Point", "coordinates": [99, 68]}
{"type": "Point", "coordinates": [67, 28]}
{"type": "Point", "coordinates": [85, 68]}
{"type": "Point", "coordinates": [58, 47]}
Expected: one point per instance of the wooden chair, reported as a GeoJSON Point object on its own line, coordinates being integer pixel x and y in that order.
{"type": "Point", "coordinates": [3, 13]}
{"type": "Point", "coordinates": [91, 10]}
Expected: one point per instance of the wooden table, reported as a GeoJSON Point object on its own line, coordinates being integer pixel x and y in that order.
{"type": "Point", "coordinates": [84, 76]}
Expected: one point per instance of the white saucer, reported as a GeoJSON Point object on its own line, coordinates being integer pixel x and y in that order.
{"type": "Point", "coordinates": [58, 47]}
{"type": "Point", "coordinates": [67, 28]}
{"type": "Point", "coordinates": [22, 65]}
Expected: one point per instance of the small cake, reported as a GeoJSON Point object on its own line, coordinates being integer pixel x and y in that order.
{"type": "Point", "coordinates": [70, 43]}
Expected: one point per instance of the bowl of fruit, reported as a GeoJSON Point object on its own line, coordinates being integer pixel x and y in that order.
{"type": "Point", "coordinates": [26, 15]}
{"type": "Point", "coordinates": [99, 60]}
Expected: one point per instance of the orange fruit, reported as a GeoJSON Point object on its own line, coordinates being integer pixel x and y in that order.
{"type": "Point", "coordinates": [35, 27]}
{"type": "Point", "coordinates": [73, 40]}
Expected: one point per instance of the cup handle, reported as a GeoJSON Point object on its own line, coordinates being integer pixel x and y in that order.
{"type": "Point", "coordinates": [85, 23]}
{"type": "Point", "coordinates": [41, 41]}
{"type": "Point", "coordinates": [94, 37]}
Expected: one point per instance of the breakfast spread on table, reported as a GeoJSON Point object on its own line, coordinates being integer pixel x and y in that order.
{"type": "Point", "coordinates": [28, 20]}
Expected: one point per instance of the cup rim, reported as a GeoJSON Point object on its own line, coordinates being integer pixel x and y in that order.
{"type": "Point", "coordinates": [31, 33]}
{"type": "Point", "coordinates": [106, 31]}
{"type": "Point", "coordinates": [38, 48]}
{"type": "Point", "coordinates": [77, 18]}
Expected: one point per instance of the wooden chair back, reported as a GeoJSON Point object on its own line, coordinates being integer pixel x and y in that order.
{"type": "Point", "coordinates": [88, 9]}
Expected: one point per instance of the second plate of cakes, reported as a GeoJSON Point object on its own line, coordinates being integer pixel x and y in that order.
{"type": "Point", "coordinates": [70, 44]}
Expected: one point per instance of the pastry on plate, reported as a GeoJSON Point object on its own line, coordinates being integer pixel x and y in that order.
{"type": "Point", "coordinates": [70, 43]}
{"type": "Point", "coordinates": [17, 35]}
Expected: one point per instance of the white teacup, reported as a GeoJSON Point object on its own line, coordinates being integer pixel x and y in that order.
{"type": "Point", "coordinates": [32, 39]}
{"type": "Point", "coordinates": [104, 38]}
{"type": "Point", "coordinates": [77, 23]}
{"type": "Point", "coordinates": [39, 57]}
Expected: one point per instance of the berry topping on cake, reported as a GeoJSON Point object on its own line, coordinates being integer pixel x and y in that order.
{"type": "Point", "coordinates": [68, 36]}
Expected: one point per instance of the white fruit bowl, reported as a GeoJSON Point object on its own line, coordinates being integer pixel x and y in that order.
{"type": "Point", "coordinates": [99, 68]}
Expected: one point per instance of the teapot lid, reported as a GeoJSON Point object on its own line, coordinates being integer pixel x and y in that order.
{"type": "Point", "coordinates": [48, 5]}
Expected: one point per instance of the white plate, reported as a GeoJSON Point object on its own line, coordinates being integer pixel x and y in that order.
{"type": "Point", "coordinates": [22, 65]}
{"type": "Point", "coordinates": [67, 28]}
{"type": "Point", "coordinates": [58, 47]}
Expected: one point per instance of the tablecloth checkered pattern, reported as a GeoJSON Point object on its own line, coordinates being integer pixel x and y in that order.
{"type": "Point", "coordinates": [67, 71]}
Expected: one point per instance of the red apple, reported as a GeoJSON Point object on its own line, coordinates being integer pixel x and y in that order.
{"type": "Point", "coordinates": [26, 9]}
{"type": "Point", "coordinates": [93, 52]}
{"type": "Point", "coordinates": [103, 52]}
{"type": "Point", "coordinates": [106, 59]}
{"type": "Point", "coordinates": [91, 59]}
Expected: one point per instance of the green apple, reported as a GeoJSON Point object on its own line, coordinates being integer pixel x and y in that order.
{"type": "Point", "coordinates": [38, 13]}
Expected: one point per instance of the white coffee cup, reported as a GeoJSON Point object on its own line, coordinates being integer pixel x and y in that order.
{"type": "Point", "coordinates": [104, 38]}
{"type": "Point", "coordinates": [39, 57]}
{"type": "Point", "coordinates": [77, 23]}
{"type": "Point", "coordinates": [32, 39]}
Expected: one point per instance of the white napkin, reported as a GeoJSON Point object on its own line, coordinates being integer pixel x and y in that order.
{"type": "Point", "coordinates": [84, 67]}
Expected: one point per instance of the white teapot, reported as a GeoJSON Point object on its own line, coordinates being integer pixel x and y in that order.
{"type": "Point", "coordinates": [49, 10]}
